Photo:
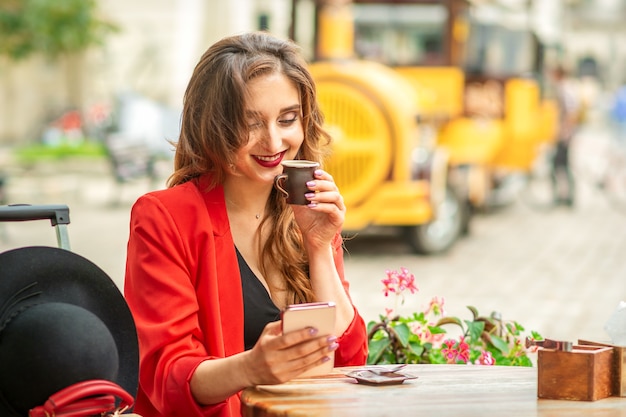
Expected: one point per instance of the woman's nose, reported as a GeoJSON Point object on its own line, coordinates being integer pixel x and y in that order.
{"type": "Point", "coordinates": [271, 137]}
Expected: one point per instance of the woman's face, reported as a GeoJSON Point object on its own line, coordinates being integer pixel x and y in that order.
{"type": "Point", "coordinates": [273, 114]}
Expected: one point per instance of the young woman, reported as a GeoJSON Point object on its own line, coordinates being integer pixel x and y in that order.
{"type": "Point", "coordinates": [214, 258]}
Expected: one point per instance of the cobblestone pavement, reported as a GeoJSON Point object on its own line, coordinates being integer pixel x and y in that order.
{"type": "Point", "coordinates": [560, 272]}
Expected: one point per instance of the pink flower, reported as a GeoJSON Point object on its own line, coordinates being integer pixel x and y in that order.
{"type": "Point", "coordinates": [428, 331]}
{"type": "Point", "coordinates": [436, 306]}
{"type": "Point", "coordinates": [448, 350]}
{"type": "Point", "coordinates": [389, 284]}
{"type": "Point", "coordinates": [485, 358]}
{"type": "Point", "coordinates": [406, 281]}
{"type": "Point", "coordinates": [464, 351]}
{"type": "Point", "coordinates": [398, 282]}
{"type": "Point", "coordinates": [455, 352]}
{"type": "Point", "coordinates": [424, 333]}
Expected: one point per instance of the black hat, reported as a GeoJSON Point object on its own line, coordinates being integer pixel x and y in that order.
{"type": "Point", "coordinates": [62, 321]}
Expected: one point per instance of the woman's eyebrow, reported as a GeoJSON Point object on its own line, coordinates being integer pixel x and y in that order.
{"type": "Point", "coordinates": [291, 108]}
{"type": "Point", "coordinates": [256, 113]}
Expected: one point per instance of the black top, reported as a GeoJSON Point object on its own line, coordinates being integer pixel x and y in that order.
{"type": "Point", "coordinates": [258, 307]}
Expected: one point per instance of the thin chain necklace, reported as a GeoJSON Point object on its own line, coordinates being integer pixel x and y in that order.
{"type": "Point", "coordinates": [257, 215]}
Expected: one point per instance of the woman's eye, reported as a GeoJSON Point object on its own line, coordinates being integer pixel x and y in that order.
{"type": "Point", "coordinates": [289, 119]}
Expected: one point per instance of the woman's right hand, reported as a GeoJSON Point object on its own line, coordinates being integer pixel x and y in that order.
{"type": "Point", "coordinates": [278, 358]}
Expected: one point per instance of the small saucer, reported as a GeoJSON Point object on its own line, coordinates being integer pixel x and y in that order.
{"type": "Point", "coordinates": [369, 377]}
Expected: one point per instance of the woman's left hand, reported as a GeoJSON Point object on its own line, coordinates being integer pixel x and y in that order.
{"type": "Point", "coordinates": [324, 216]}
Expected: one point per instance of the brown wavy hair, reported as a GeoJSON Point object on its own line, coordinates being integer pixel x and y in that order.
{"type": "Point", "coordinates": [213, 128]}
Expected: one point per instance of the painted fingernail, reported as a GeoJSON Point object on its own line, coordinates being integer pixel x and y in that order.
{"type": "Point", "coordinates": [325, 359]}
{"type": "Point", "coordinates": [309, 195]}
{"type": "Point", "coordinates": [333, 346]}
{"type": "Point", "coordinates": [332, 339]}
{"type": "Point", "coordinates": [318, 172]}
{"type": "Point", "coordinates": [312, 205]}
{"type": "Point", "coordinates": [312, 331]}
{"type": "Point", "coordinates": [310, 184]}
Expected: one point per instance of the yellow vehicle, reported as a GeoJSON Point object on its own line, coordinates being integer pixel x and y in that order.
{"type": "Point", "coordinates": [434, 110]}
{"type": "Point", "coordinates": [475, 76]}
{"type": "Point", "coordinates": [386, 177]}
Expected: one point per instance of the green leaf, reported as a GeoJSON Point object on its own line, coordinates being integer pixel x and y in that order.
{"type": "Point", "coordinates": [416, 348]}
{"type": "Point", "coordinates": [419, 317]}
{"type": "Point", "coordinates": [450, 320]}
{"type": "Point", "coordinates": [514, 328]}
{"type": "Point", "coordinates": [475, 329]}
{"type": "Point", "coordinates": [474, 311]}
{"type": "Point", "coordinates": [376, 350]}
{"type": "Point", "coordinates": [499, 344]}
{"type": "Point", "coordinates": [436, 330]}
{"type": "Point", "coordinates": [370, 325]}
{"type": "Point", "coordinates": [436, 357]}
{"type": "Point", "coordinates": [403, 333]}
{"type": "Point", "coordinates": [388, 357]}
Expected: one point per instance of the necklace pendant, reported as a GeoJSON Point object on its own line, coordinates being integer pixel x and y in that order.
{"type": "Point", "coordinates": [257, 215]}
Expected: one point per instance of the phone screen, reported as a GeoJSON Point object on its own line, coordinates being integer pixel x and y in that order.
{"type": "Point", "coordinates": [318, 315]}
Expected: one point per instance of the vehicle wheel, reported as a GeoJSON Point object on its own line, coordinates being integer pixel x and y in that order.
{"type": "Point", "coordinates": [440, 234]}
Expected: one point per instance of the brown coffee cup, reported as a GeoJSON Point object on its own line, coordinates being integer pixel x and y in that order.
{"type": "Point", "coordinates": [292, 182]}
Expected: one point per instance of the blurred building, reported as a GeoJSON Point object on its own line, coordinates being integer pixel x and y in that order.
{"type": "Point", "coordinates": [594, 39]}
{"type": "Point", "coordinates": [160, 42]}
{"type": "Point", "coordinates": [153, 55]}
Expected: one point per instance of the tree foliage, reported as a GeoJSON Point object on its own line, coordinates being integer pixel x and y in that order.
{"type": "Point", "coordinates": [50, 27]}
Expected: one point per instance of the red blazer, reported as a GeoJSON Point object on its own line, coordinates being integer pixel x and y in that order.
{"type": "Point", "coordinates": [183, 287]}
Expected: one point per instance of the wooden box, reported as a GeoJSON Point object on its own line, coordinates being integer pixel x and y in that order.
{"type": "Point", "coordinates": [619, 366]}
{"type": "Point", "coordinates": [584, 374]}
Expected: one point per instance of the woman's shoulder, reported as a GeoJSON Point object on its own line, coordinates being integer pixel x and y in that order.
{"type": "Point", "coordinates": [188, 193]}
{"type": "Point", "coordinates": [191, 200]}
{"type": "Point", "coordinates": [180, 196]}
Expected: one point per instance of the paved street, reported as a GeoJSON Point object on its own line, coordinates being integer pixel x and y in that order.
{"type": "Point", "coordinates": [560, 272]}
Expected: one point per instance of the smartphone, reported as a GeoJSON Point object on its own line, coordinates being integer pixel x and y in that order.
{"type": "Point", "coordinates": [318, 315]}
